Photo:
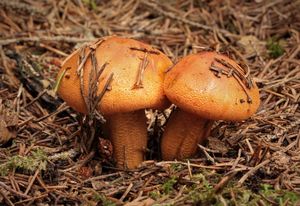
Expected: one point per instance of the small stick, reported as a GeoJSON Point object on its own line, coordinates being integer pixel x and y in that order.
{"type": "Point", "coordinates": [189, 169]}
{"type": "Point", "coordinates": [32, 181]}
{"type": "Point", "coordinates": [37, 97]}
{"type": "Point", "coordinates": [223, 182]}
{"type": "Point", "coordinates": [252, 171]}
{"type": "Point", "coordinates": [239, 71]}
{"type": "Point", "coordinates": [96, 44]}
{"type": "Point", "coordinates": [50, 48]}
{"type": "Point", "coordinates": [142, 67]}
{"type": "Point", "coordinates": [101, 70]}
{"type": "Point", "coordinates": [255, 156]}
{"type": "Point", "coordinates": [249, 100]}
{"type": "Point", "coordinates": [45, 38]}
{"type": "Point", "coordinates": [3, 185]}
{"type": "Point", "coordinates": [229, 74]}
{"type": "Point", "coordinates": [14, 183]}
{"type": "Point", "coordinates": [80, 74]}
{"type": "Point", "coordinates": [206, 153]}
{"type": "Point", "coordinates": [40, 180]}
{"type": "Point", "coordinates": [191, 164]}
{"type": "Point", "coordinates": [247, 70]}
{"type": "Point", "coordinates": [218, 71]}
{"type": "Point", "coordinates": [144, 186]}
{"type": "Point", "coordinates": [145, 50]}
{"type": "Point", "coordinates": [61, 108]}
{"type": "Point", "coordinates": [169, 69]}
{"type": "Point", "coordinates": [236, 161]}
{"type": "Point", "coordinates": [81, 162]}
{"type": "Point", "coordinates": [228, 65]}
{"type": "Point", "coordinates": [32, 198]}
{"type": "Point", "coordinates": [63, 155]}
{"type": "Point", "coordinates": [81, 56]}
{"type": "Point", "coordinates": [57, 84]}
{"type": "Point", "coordinates": [92, 88]}
{"type": "Point", "coordinates": [101, 177]}
{"type": "Point", "coordinates": [179, 194]}
{"type": "Point", "coordinates": [99, 97]}
{"type": "Point", "coordinates": [268, 200]}
{"type": "Point", "coordinates": [7, 200]}
{"type": "Point", "coordinates": [126, 192]}
{"type": "Point", "coordinates": [265, 152]}
{"type": "Point", "coordinates": [249, 145]}
{"type": "Point", "coordinates": [221, 198]}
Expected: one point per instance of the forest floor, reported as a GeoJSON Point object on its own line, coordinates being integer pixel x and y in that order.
{"type": "Point", "coordinates": [42, 162]}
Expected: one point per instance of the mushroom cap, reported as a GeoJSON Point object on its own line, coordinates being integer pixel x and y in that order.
{"type": "Point", "coordinates": [124, 58]}
{"type": "Point", "coordinates": [195, 88]}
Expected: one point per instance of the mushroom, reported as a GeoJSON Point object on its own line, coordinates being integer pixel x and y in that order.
{"type": "Point", "coordinates": [136, 84]}
{"type": "Point", "coordinates": [206, 86]}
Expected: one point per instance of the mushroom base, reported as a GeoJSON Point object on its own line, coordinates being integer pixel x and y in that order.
{"type": "Point", "coordinates": [183, 133]}
{"type": "Point", "coordinates": [128, 134]}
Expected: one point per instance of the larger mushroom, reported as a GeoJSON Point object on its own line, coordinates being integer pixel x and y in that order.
{"type": "Point", "coordinates": [207, 86]}
{"type": "Point", "coordinates": [136, 84]}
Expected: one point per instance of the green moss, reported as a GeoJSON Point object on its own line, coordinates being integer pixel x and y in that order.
{"type": "Point", "coordinates": [202, 197]}
{"type": "Point", "coordinates": [91, 3]}
{"type": "Point", "coordinates": [200, 177]}
{"type": "Point", "coordinates": [242, 196]}
{"type": "Point", "coordinates": [274, 47]}
{"type": "Point", "coordinates": [37, 160]}
{"type": "Point", "coordinates": [291, 197]}
{"type": "Point", "coordinates": [168, 185]}
{"type": "Point", "coordinates": [155, 194]}
{"type": "Point", "coordinates": [176, 167]}
{"type": "Point", "coordinates": [280, 196]}
{"type": "Point", "coordinates": [106, 202]}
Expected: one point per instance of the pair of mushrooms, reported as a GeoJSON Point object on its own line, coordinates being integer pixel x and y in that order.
{"type": "Point", "coordinates": [206, 86]}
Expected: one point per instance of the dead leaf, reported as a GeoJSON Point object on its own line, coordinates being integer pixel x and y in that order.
{"type": "Point", "coordinates": [146, 202]}
{"type": "Point", "coordinates": [5, 134]}
{"type": "Point", "coordinates": [8, 123]}
{"type": "Point", "coordinates": [280, 160]}
{"type": "Point", "coordinates": [252, 45]}
{"type": "Point", "coordinates": [85, 172]}
{"type": "Point", "coordinates": [217, 145]}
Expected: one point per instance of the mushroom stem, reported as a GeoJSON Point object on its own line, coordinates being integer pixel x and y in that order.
{"type": "Point", "coordinates": [183, 133]}
{"type": "Point", "coordinates": [128, 134]}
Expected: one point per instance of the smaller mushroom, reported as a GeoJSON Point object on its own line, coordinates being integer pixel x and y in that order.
{"type": "Point", "coordinates": [207, 86]}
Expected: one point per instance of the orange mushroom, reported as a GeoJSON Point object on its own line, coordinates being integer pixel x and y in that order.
{"type": "Point", "coordinates": [206, 86]}
{"type": "Point", "coordinates": [136, 84]}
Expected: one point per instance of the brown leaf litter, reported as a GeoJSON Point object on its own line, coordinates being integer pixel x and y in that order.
{"type": "Point", "coordinates": [35, 36]}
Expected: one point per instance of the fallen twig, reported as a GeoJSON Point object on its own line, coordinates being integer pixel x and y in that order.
{"type": "Point", "coordinates": [46, 38]}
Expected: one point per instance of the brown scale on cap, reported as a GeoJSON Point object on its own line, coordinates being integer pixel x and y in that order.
{"type": "Point", "coordinates": [131, 74]}
{"type": "Point", "coordinates": [209, 86]}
